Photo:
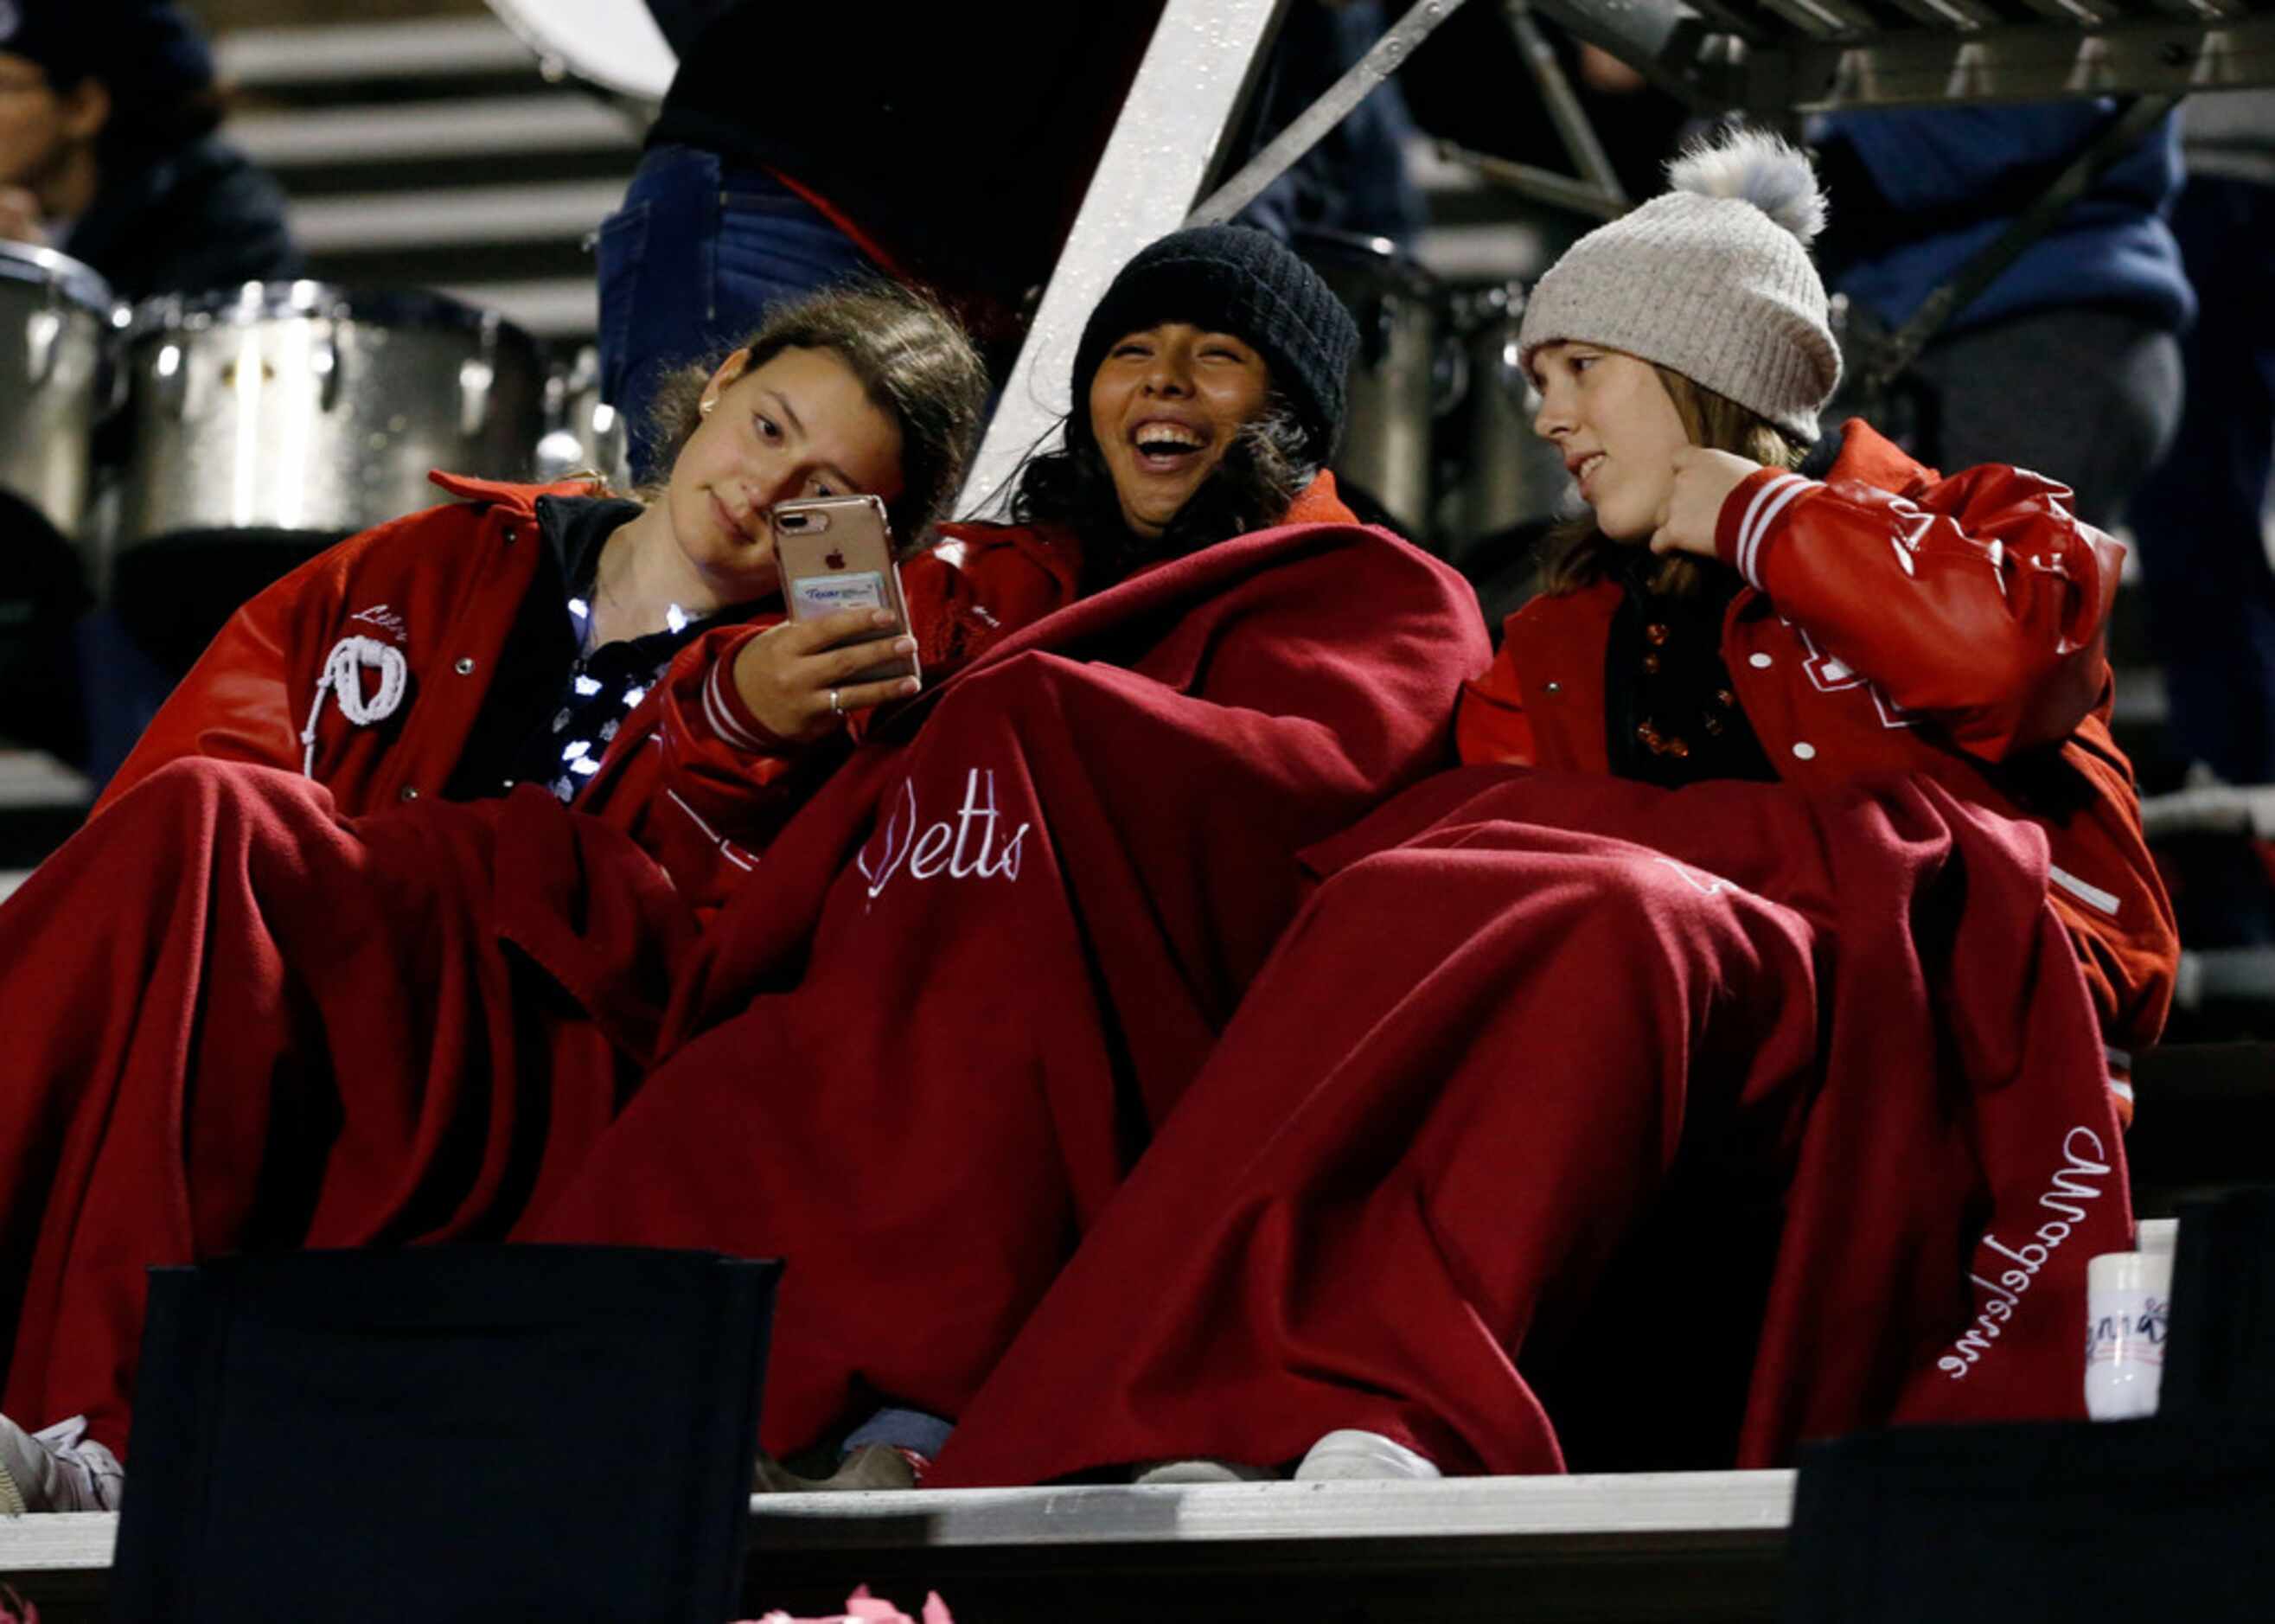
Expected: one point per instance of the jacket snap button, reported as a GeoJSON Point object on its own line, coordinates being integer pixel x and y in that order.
{"type": "Point", "coordinates": [466, 666]}
{"type": "Point", "coordinates": [1556, 688]}
{"type": "Point", "coordinates": [1759, 661]}
{"type": "Point", "coordinates": [1806, 751]}
{"type": "Point", "coordinates": [408, 792]}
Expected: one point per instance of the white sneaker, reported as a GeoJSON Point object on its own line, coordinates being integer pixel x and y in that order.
{"type": "Point", "coordinates": [1162, 1473]}
{"type": "Point", "coordinates": [58, 1468]}
{"type": "Point", "coordinates": [1351, 1453]}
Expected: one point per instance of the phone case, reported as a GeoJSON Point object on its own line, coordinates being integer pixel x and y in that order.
{"type": "Point", "coordinates": [837, 553]}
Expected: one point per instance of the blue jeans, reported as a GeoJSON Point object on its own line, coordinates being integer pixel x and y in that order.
{"type": "Point", "coordinates": [689, 266]}
{"type": "Point", "coordinates": [2199, 518]}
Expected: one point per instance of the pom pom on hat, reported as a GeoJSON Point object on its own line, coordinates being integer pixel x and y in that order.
{"type": "Point", "coordinates": [1754, 166]}
{"type": "Point", "coordinates": [1711, 279]}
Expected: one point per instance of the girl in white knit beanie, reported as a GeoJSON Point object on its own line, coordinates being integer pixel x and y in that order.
{"type": "Point", "coordinates": [1718, 615]}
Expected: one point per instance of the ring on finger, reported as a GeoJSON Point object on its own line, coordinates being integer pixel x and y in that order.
{"type": "Point", "coordinates": [836, 709]}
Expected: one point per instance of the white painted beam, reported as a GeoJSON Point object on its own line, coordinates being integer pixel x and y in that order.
{"type": "Point", "coordinates": [1196, 75]}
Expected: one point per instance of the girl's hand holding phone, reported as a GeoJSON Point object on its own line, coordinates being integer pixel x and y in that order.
{"type": "Point", "coordinates": [799, 684]}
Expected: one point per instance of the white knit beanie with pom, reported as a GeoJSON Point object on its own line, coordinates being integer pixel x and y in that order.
{"type": "Point", "coordinates": [1712, 279]}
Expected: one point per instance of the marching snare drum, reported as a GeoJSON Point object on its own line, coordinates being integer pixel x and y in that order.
{"type": "Point", "coordinates": [56, 327]}
{"type": "Point", "coordinates": [301, 408]}
{"type": "Point", "coordinates": [584, 434]}
{"type": "Point", "coordinates": [614, 44]}
{"type": "Point", "coordinates": [1514, 479]}
{"type": "Point", "coordinates": [266, 424]}
{"type": "Point", "coordinates": [1398, 381]}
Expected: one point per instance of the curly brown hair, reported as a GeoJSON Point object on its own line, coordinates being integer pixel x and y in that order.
{"type": "Point", "coordinates": [1577, 554]}
{"type": "Point", "coordinates": [914, 362]}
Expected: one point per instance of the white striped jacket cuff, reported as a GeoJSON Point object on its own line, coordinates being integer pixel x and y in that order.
{"type": "Point", "coordinates": [1772, 498]}
{"type": "Point", "coordinates": [720, 714]}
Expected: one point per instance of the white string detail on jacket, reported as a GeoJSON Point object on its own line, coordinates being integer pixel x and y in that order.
{"type": "Point", "coordinates": [343, 677]}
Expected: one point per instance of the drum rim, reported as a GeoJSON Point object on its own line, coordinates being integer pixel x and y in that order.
{"type": "Point", "coordinates": [307, 300]}
{"type": "Point", "coordinates": [1379, 255]}
{"type": "Point", "coordinates": [529, 26]}
{"type": "Point", "coordinates": [80, 281]}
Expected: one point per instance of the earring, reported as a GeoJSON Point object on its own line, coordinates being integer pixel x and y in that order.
{"type": "Point", "coordinates": [705, 409]}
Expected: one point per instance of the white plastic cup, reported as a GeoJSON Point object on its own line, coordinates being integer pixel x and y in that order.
{"type": "Point", "coordinates": [2128, 1297]}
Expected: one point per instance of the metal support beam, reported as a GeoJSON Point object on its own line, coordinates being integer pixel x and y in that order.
{"type": "Point", "coordinates": [1917, 68]}
{"type": "Point", "coordinates": [1673, 46]}
{"type": "Point", "coordinates": [1541, 186]}
{"type": "Point", "coordinates": [1563, 105]}
{"type": "Point", "coordinates": [1197, 75]}
{"type": "Point", "coordinates": [1310, 126]}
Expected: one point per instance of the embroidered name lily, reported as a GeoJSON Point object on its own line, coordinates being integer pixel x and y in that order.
{"type": "Point", "coordinates": [963, 847]}
{"type": "Point", "coordinates": [2084, 1159]}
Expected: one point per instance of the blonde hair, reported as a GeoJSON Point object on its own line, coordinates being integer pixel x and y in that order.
{"type": "Point", "coordinates": [1577, 554]}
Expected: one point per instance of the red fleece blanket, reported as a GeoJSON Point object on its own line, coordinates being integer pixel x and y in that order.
{"type": "Point", "coordinates": [241, 1020]}
{"type": "Point", "coordinates": [1521, 1004]}
{"type": "Point", "coordinates": [979, 968]}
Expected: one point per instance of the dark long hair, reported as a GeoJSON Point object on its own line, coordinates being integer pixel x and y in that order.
{"type": "Point", "coordinates": [914, 362]}
{"type": "Point", "coordinates": [1264, 469]}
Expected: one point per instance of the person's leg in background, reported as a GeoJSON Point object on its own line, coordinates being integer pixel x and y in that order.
{"type": "Point", "coordinates": [2200, 515]}
{"type": "Point", "coordinates": [691, 263]}
{"type": "Point", "coordinates": [2089, 397]}
{"type": "Point", "coordinates": [120, 689]}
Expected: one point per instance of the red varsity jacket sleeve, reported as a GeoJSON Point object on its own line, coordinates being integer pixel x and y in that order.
{"type": "Point", "coordinates": [719, 791]}
{"type": "Point", "coordinates": [1980, 600]}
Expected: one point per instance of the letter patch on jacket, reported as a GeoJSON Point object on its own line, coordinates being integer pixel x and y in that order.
{"type": "Point", "coordinates": [386, 619]}
{"type": "Point", "coordinates": [1829, 674]}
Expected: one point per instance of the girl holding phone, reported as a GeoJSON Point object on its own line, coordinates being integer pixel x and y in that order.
{"type": "Point", "coordinates": [547, 635]}
{"type": "Point", "coordinates": [355, 796]}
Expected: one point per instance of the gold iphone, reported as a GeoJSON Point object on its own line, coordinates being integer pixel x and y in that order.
{"type": "Point", "coordinates": [837, 553]}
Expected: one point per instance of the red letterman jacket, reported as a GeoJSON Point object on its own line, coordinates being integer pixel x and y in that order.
{"type": "Point", "coordinates": [1895, 620]}
{"type": "Point", "coordinates": [691, 774]}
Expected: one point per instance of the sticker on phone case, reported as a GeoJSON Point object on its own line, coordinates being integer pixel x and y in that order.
{"type": "Point", "coordinates": [825, 594]}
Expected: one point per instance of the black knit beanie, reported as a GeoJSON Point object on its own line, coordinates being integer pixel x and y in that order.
{"type": "Point", "coordinates": [1232, 279]}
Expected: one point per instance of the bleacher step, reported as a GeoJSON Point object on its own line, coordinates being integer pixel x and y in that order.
{"type": "Point", "coordinates": [1705, 1546]}
{"type": "Point", "coordinates": [417, 47]}
{"type": "Point", "coordinates": [458, 127]}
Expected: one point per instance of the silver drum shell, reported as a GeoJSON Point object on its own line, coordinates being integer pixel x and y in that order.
{"type": "Point", "coordinates": [1396, 383]}
{"type": "Point", "coordinates": [55, 333]}
{"type": "Point", "coordinates": [583, 434]}
{"type": "Point", "coordinates": [1514, 477]}
{"type": "Point", "coordinates": [297, 407]}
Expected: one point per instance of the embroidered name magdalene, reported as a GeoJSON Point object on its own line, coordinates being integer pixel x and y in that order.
{"type": "Point", "coordinates": [2084, 1159]}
